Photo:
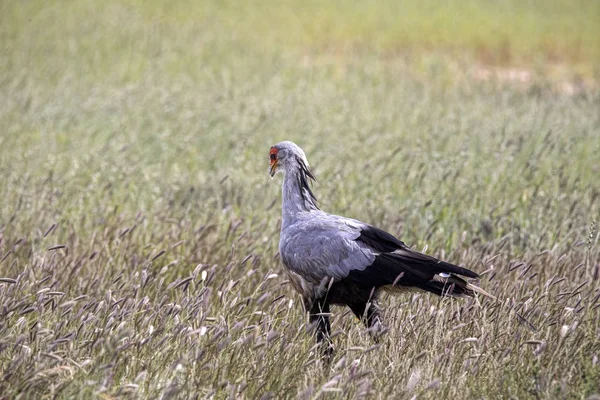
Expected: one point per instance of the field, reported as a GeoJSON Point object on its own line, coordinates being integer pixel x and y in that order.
{"type": "Point", "coordinates": [139, 228]}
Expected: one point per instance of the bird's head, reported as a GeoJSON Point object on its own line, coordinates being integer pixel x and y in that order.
{"type": "Point", "coordinates": [288, 155]}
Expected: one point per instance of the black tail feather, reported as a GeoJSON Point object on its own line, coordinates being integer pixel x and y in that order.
{"type": "Point", "coordinates": [452, 286]}
{"type": "Point", "coordinates": [407, 269]}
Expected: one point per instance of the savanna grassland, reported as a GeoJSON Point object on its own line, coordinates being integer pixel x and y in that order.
{"type": "Point", "coordinates": [139, 227]}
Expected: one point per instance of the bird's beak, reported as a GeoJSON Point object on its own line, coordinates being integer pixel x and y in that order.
{"type": "Point", "coordinates": [273, 167]}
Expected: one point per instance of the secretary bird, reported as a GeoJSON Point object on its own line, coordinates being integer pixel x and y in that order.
{"type": "Point", "coordinates": [336, 260]}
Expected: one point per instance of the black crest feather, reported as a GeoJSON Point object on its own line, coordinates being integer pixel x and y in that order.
{"type": "Point", "coordinates": [304, 177]}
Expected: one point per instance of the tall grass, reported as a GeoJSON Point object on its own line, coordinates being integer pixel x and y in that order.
{"type": "Point", "coordinates": [139, 229]}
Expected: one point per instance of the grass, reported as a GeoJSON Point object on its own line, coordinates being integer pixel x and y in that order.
{"type": "Point", "coordinates": [139, 229]}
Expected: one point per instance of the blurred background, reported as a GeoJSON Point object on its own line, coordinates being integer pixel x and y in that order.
{"type": "Point", "coordinates": [135, 134]}
{"type": "Point", "coordinates": [155, 98]}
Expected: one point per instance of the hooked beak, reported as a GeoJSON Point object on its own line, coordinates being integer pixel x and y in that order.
{"type": "Point", "coordinates": [272, 168]}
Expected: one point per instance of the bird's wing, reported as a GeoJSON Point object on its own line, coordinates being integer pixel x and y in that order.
{"type": "Point", "coordinates": [322, 247]}
{"type": "Point", "coordinates": [397, 266]}
{"type": "Point", "coordinates": [325, 247]}
{"type": "Point", "coordinates": [384, 242]}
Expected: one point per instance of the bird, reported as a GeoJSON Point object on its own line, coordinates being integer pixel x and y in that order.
{"type": "Point", "coordinates": [334, 260]}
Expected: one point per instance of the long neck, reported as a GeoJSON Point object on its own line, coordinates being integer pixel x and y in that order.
{"type": "Point", "coordinates": [297, 196]}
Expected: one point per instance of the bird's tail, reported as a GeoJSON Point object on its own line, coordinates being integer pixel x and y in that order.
{"type": "Point", "coordinates": [430, 274]}
{"type": "Point", "coordinates": [444, 284]}
{"type": "Point", "coordinates": [454, 286]}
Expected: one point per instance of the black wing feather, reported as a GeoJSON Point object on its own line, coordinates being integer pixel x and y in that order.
{"type": "Point", "coordinates": [397, 264]}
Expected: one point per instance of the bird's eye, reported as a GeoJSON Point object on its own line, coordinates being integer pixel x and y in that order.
{"type": "Point", "coordinates": [273, 157]}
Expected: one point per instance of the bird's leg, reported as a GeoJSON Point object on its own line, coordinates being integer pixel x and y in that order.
{"type": "Point", "coordinates": [370, 314]}
{"type": "Point", "coordinates": [319, 320]}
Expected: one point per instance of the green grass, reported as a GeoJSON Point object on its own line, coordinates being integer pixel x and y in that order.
{"type": "Point", "coordinates": [129, 128]}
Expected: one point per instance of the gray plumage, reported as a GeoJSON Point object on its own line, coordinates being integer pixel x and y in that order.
{"type": "Point", "coordinates": [336, 260]}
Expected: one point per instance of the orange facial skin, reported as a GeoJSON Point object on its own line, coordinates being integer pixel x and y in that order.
{"type": "Point", "coordinates": [272, 155]}
{"type": "Point", "coordinates": [272, 160]}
